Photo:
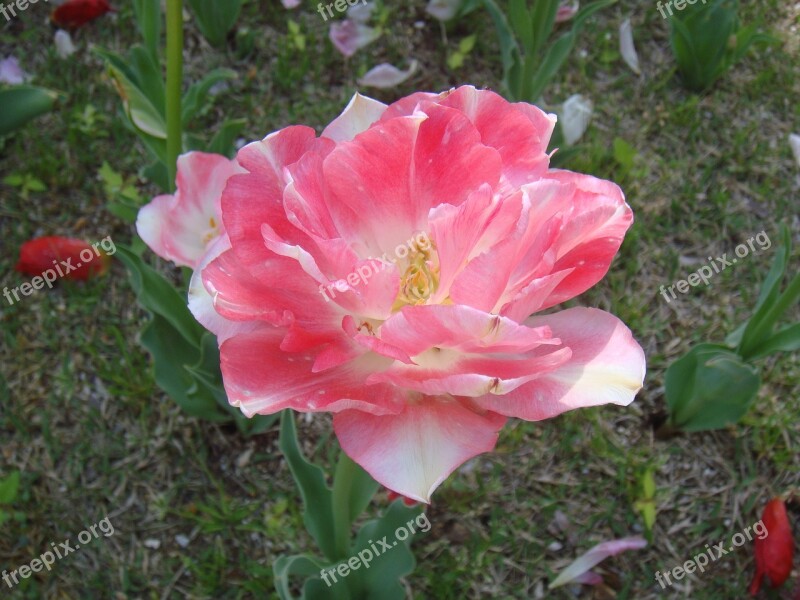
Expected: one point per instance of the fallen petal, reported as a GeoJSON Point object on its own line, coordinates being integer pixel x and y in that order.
{"type": "Point", "coordinates": [64, 46]}
{"type": "Point", "coordinates": [567, 10]}
{"type": "Point", "coordinates": [575, 116]}
{"type": "Point", "coordinates": [349, 36]}
{"type": "Point", "coordinates": [11, 72]}
{"type": "Point", "coordinates": [794, 142]}
{"type": "Point", "coordinates": [626, 47]}
{"type": "Point", "coordinates": [290, 3]}
{"type": "Point", "coordinates": [443, 10]}
{"type": "Point", "coordinates": [387, 76]}
{"type": "Point", "coordinates": [596, 555]}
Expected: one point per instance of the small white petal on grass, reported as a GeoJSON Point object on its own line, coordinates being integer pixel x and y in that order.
{"type": "Point", "coordinates": [794, 142]}
{"type": "Point", "coordinates": [290, 3]}
{"type": "Point", "coordinates": [182, 540]}
{"type": "Point", "coordinates": [64, 46]}
{"type": "Point", "coordinates": [577, 571]}
{"type": "Point", "coordinates": [361, 13]}
{"type": "Point", "coordinates": [387, 76]}
{"type": "Point", "coordinates": [626, 47]}
{"type": "Point", "coordinates": [574, 118]}
{"type": "Point", "coordinates": [152, 543]}
{"type": "Point", "coordinates": [443, 10]}
{"type": "Point", "coordinates": [349, 36]}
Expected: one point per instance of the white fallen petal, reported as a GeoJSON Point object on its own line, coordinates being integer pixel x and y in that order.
{"type": "Point", "coordinates": [626, 47]}
{"type": "Point", "coordinates": [566, 10]}
{"type": "Point", "coordinates": [387, 76]}
{"type": "Point", "coordinates": [290, 3]}
{"type": "Point", "coordinates": [443, 10]}
{"type": "Point", "coordinates": [574, 118]}
{"type": "Point", "coordinates": [64, 45]}
{"type": "Point", "coordinates": [361, 12]}
{"type": "Point", "coordinates": [794, 142]}
{"type": "Point", "coordinates": [599, 553]}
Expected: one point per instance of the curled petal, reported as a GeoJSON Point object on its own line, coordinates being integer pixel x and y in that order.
{"type": "Point", "coordinates": [575, 116]}
{"type": "Point", "coordinates": [349, 36]}
{"type": "Point", "coordinates": [626, 47]}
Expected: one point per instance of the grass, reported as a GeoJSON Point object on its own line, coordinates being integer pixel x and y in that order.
{"type": "Point", "coordinates": [200, 512]}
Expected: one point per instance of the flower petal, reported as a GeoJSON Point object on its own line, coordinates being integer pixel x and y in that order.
{"type": "Point", "coordinates": [626, 47]}
{"type": "Point", "coordinates": [596, 555]}
{"type": "Point", "coordinates": [413, 452]}
{"type": "Point", "coordinates": [385, 76]}
{"type": "Point", "coordinates": [359, 114]}
{"type": "Point", "coordinates": [607, 367]}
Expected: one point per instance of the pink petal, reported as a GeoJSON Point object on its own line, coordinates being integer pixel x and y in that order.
{"type": "Point", "coordinates": [359, 114]}
{"type": "Point", "coordinates": [607, 366]}
{"type": "Point", "coordinates": [349, 36]}
{"type": "Point", "coordinates": [386, 76]}
{"type": "Point", "coordinates": [181, 227]}
{"type": "Point", "coordinates": [519, 132]}
{"type": "Point", "coordinates": [567, 10]}
{"type": "Point", "coordinates": [462, 351]}
{"type": "Point", "coordinates": [596, 555]}
{"type": "Point", "coordinates": [413, 452]}
{"type": "Point", "coordinates": [11, 73]}
{"type": "Point", "coordinates": [262, 378]}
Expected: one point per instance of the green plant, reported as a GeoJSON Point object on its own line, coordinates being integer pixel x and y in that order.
{"type": "Point", "coordinates": [26, 183]}
{"type": "Point", "coordinates": [9, 489]}
{"type": "Point", "coordinates": [23, 103]}
{"type": "Point", "coordinates": [123, 199]}
{"type": "Point", "coordinates": [456, 58]}
{"type": "Point", "coordinates": [530, 59]}
{"type": "Point", "coordinates": [713, 385]}
{"type": "Point", "coordinates": [215, 19]}
{"type": "Point", "coordinates": [707, 40]}
{"type": "Point", "coordinates": [145, 95]}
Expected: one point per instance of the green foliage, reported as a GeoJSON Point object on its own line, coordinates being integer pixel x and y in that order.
{"type": "Point", "coordinates": [646, 504]}
{"type": "Point", "coordinates": [712, 386]}
{"type": "Point", "coordinates": [707, 40]}
{"type": "Point", "coordinates": [123, 199]}
{"type": "Point", "coordinates": [456, 59]}
{"type": "Point", "coordinates": [9, 489]}
{"type": "Point", "coordinates": [352, 491]}
{"type": "Point", "coordinates": [215, 19]}
{"type": "Point", "coordinates": [530, 59]}
{"type": "Point", "coordinates": [186, 356]}
{"type": "Point", "coordinates": [23, 103]}
{"type": "Point", "coordinates": [26, 183]}
{"type": "Point", "coordinates": [139, 81]}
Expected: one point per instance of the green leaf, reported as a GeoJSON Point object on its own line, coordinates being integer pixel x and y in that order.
{"type": "Point", "coordinates": [215, 19]}
{"type": "Point", "coordinates": [317, 496]}
{"type": "Point", "coordinates": [197, 94]}
{"type": "Point", "coordinates": [148, 17]}
{"type": "Point", "coordinates": [9, 487]}
{"type": "Point", "coordinates": [144, 114]}
{"type": "Point", "coordinates": [381, 581]}
{"type": "Point", "coordinates": [543, 18]}
{"type": "Point", "coordinates": [455, 61]}
{"type": "Point", "coordinates": [522, 23]}
{"type": "Point", "coordinates": [158, 296]}
{"type": "Point", "coordinates": [553, 59]}
{"type": "Point", "coordinates": [786, 340]}
{"type": "Point", "coordinates": [223, 140]}
{"type": "Point", "coordinates": [286, 567]}
{"type": "Point", "coordinates": [509, 51]}
{"type": "Point", "coordinates": [466, 45]}
{"type": "Point", "coordinates": [709, 388]}
{"type": "Point", "coordinates": [624, 154]}
{"type": "Point", "coordinates": [23, 103]}
{"type": "Point", "coordinates": [14, 180]}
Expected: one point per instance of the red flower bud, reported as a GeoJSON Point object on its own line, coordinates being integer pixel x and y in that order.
{"type": "Point", "coordinates": [774, 552]}
{"type": "Point", "coordinates": [65, 257]}
{"type": "Point", "coordinates": [74, 13]}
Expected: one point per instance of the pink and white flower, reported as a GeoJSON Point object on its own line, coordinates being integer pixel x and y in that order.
{"type": "Point", "coordinates": [422, 365]}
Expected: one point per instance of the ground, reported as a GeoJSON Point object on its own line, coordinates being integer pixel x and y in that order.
{"type": "Point", "coordinates": [200, 512]}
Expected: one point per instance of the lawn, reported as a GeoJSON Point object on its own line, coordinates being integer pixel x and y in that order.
{"type": "Point", "coordinates": [201, 511]}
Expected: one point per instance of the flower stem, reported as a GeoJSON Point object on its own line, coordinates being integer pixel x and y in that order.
{"type": "Point", "coordinates": [174, 81]}
{"type": "Point", "coordinates": [342, 485]}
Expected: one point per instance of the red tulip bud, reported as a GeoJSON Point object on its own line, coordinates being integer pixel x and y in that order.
{"type": "Point", "coordinates": [774, 553]}
{"type": "Point", "coordinates": [66, 257]}
{"type": "Point", "coordinates": [74, 13]}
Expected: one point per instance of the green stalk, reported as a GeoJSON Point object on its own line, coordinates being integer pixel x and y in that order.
{"type": "Point", "coordinates": [174, 91]}
{"type": "Point", "coordinates": [342, 486]}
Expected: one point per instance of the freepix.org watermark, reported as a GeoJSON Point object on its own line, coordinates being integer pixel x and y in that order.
{"type": "Point", "coordinates": [704, 273]}
{"type": "Point", "coordinates": [339, 5]}
{"type": "Point", "coordinates": [699, 562]}
{"type": "Point", "coordinates": [48, 558]}
{"type": "Point", "coordinates": [20, 5]}
{"type": "Point", "coordinates": [416, 245]}
{"type": "Point", "coordinates": [375, 549]}
{"type": "Point", "coordinates": [62, 268]}
{"type": "Point", "coordinates": [678, 4]}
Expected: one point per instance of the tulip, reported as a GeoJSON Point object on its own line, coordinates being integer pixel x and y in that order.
{"type": "Point", "coordinates": [775, 551]}
{"type": "Point", "coordinates": [76, 259]}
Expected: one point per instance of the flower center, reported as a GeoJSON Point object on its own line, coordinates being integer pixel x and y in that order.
{"type": "Point", "coordinates": [420, 279]}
